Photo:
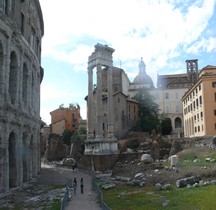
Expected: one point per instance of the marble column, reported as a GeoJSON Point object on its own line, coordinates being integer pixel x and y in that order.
{"type": "Point", "coordinates": [99, 105]}
{"type": "Point", "coordinates": [90, 104]}
{"type": "Point", "coordinates": [110, 103]}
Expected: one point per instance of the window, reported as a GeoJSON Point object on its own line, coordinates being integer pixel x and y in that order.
{"type": "Point", "coordinates": [200, 100]}
{"type": "Point", "coordinates": [195, 129]}
{"type": "Point", "coordinates": [201, 115]}
{"type": "Point", "coordinates": [198, 128]}
{"type": "Point", "coordinates": [166, 95]}
{"type": "Point", "coordinates": [197, 102]}
{"type": "Point", "coordinates": [4, 6]}
{"type": "Point", "coordinates": [177, 108]}
{"type": "Point", "coordinates": [167, 109]}
{"type": "Point", "coordinates": [177, 95]}
{"type": "Point", "coordinates": [214, 84]}
{"type": "Point", "coordinates": [22, 23]}
{"type": "Point", "coordinates": [215, 96]}
{"type": "Point", "coordinates": [199, 87]}
{"type": "Point", "coordinates": [215, 112]}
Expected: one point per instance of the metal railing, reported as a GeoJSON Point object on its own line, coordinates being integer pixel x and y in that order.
{"type": "Point", "coordinates": [96, 188]}
{"type": "Point", "coordinates": [67, 194]}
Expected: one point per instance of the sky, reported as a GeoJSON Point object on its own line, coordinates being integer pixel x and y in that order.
{"type": "Point", "coordinates": [165, 33]}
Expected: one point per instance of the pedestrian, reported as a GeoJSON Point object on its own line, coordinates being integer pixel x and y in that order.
{"type": "Point", "coordinates": [81, 185]}
{"type": "Point", "coordinates": [74, 185]}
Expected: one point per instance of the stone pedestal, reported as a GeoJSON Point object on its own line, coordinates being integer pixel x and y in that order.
{"type": "Point", "coordinates": [101, 147]}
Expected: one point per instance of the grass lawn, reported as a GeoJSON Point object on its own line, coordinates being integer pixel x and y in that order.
{"type": "Point", "coordinates": [136, 198]}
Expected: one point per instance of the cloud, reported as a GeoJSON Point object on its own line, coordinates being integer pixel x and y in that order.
{"type": "Point", "coordinates": [136, 28]}
{"type": "Point", "coordinates": [204, 45]}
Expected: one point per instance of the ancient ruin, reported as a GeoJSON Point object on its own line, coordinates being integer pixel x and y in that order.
{"type": "Point", "coordinates": [97, 142]}
{"type": "Point", "coordinates": [21, 30]}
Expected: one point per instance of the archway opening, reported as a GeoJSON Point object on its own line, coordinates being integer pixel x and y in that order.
{"type": "Point", "coordinates": [24, 158]}
{"type": "Point", "coordinates": [178, 122]}
{"type": "Point", "coordinates": [25, 83]}
{"type": "Point", "coordinates": [12, 161]}
{"type": "Point", "coordinates": [13, 77]}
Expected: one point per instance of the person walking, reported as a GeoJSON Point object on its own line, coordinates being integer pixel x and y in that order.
{"type": "Point", "coordinates": [74, 185]}
{"type": "Point", "coordinates": [81, 185]}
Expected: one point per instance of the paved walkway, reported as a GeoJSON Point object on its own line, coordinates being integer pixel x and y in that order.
{"type": "Point", "coordinates": [86, 201]}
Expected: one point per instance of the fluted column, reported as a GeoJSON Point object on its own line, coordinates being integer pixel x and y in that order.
{"type": "Point", "coordinates": [110, 103]}
{"type": "Point", "coordinates": [90, 104]}
{"type": "Point", "coordinates": [99, 111]}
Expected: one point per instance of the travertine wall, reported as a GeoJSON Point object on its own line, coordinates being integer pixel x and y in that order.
{"type": "Point", "coordinates": [21, 30]}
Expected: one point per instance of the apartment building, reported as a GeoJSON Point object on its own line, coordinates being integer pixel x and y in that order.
{"type": "Point", "coordinates": [199, 105]}
{"type": "Point", "coordinates": [65, 119]}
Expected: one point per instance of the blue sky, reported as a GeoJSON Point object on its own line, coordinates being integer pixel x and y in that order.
{"type": "Point", "coordinates": [164, 32]}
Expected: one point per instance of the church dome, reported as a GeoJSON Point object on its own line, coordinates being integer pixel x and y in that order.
{"type": "Point", "coordinates": [142, 78]}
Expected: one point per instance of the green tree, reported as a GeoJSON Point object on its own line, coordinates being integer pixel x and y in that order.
{"type": "Point", "coordinates": [148, 111]}
{"type": "Point", "coordinates": [166, 126]}
{"type": "Point", "coordinates": [78, 133]}
{"type": "Point", "coordinates": [66, 137]}
{"type": "Point", "coordinates": [82, 130]}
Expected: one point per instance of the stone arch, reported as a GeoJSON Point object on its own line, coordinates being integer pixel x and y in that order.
{"type": "Point", "coordinates": [178, 122]}
{"type": "Point", "coordinates": [25, 157]}
{"type": "Point", "coordinates": [1, 68]}
{"type": "Point", "coordinates": [25, 83]}
{"type": "Point", "coordinates": [13, 77]}
{"type": "Point", "coordinates": [12, 160]}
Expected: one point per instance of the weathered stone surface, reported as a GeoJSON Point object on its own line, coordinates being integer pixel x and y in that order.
{"type": "Point", "coordinates": [155, 150]}
{"type": "Point", "coordinates": [214, 140]}
{"type": "Point", "coordinates": [21, 31]}
{"type": "Point", "coordinates": [146, 158]}
{"type": "Point", "coordinates": [187, 181]}
{"type": "Point", "coordinates": [56, 150]}
{"type": "Point", "coordinates": [108, 186]}
{"type": "Point", "coordinates": [176, 147]}
{"type": "Point", "coordinates": [138, 176]}
{"type": "Point", "coordinates": [123, 178]}
{"type": "Point", "coordinates": [158, 186]}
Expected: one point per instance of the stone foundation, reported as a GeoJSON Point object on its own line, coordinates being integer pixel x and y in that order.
{"type": "Point", "coordinates": [99, 162]}
{"type": "Point", "coordinates": [101, 147]}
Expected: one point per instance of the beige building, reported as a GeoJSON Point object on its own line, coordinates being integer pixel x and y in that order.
{"type": "Point", "coordinates": [168, 94]}
{"type": "Point", "coordinates": [199, 105]}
